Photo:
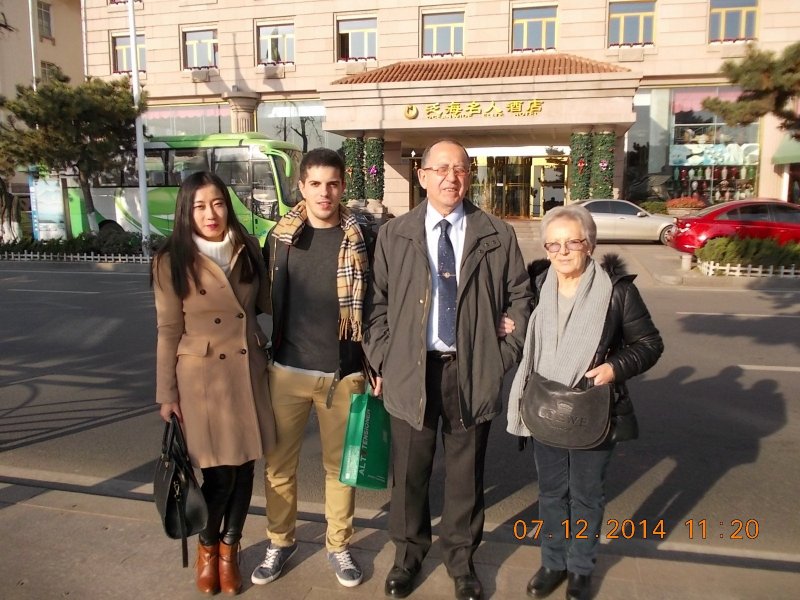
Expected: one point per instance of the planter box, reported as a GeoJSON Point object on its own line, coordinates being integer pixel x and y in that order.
{"type": "Point", "coordinates": [728, 270]}
{"type": "Point", "coordinates": [682, 212]}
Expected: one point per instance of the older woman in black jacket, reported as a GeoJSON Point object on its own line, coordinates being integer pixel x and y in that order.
{"type": "Point", "coordinates": [590, 327]}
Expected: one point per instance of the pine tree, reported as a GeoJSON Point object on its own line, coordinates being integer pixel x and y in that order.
{"type": "Point", "coordinates": [769, 84]}
{"type": "Point", "coordinates": [86, 128]}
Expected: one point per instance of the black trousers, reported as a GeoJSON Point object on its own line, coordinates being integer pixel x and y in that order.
{"type": "Point", "coordinates": [227, 491]}
{"type": "Point", "coordinates": [464, 454]}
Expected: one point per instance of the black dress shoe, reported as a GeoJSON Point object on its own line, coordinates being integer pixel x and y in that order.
{"type": "Point", "coordinates": [579, 587]}
{"type": "Point", "coordinates": [545, 581]}
{"type": "Point", "coordinates": [468, 587]}
{"type": "Point", "coordinates": [399, 582]}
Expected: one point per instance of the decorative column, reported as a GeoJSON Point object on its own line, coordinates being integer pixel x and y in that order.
{"type": "Point", "coordinates": [243, 110]}
{"type": "Point", "coordinates": [354, 168]}
{"type": "Point", "coordinates": [373, 175]}
{"type": "Point", "coordinates": [580, 156]}
{"type": "Point", "coordinates": [602, 172]}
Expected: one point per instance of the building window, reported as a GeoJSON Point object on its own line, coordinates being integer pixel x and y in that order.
{"type": "Point", "coordinates": [732, 20]}
{"type": "Point", "coordinates": [48, 71]}
{"type": "Point", "coordinates": [45, 22]}
{"type": "Point", "coordinates": [200, 49]}
{"type": "Point", "coordinates": [276, 43]}
{"type": "Point", "coordinates": [121, 49]}
{"type": "Point", "coordinates": [534, 28]}
{"type": "Point", "coordinates": [443, 34]}
{"type": "Point", "coordinates": [708, 158]}
{"type": "Point", "coordinates": [358, 38]}
{"type": "Point", "coordinates": [631, 23]}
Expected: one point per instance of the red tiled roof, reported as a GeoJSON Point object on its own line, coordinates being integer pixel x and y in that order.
{"type": "Point", "coordinates": [523, 65]}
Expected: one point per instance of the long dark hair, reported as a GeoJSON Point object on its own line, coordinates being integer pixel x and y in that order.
{"type": "Point", "coordinates": [180, 246]}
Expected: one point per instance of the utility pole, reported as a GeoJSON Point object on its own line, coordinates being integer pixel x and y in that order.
{"type": "Point", "coordinates": [137, 93]}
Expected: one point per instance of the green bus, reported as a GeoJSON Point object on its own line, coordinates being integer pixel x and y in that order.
{"type": "Point", "coordinates": [261, 174]}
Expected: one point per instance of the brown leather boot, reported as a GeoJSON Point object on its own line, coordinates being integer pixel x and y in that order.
{"type": "Point", "coordinates": [230, 579]}
{"type": "Point", "coordinates": [206, 568]}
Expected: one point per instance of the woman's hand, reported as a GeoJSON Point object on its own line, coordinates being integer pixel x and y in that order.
{"type": "Point", "coordinates": [172, 407]}
{"type": "Point", "coordinates": [506, 326]}
{"type": "Point", "coordinates": [602, 375]}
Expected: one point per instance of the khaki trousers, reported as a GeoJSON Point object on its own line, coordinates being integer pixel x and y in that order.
{"type": "Point", "coordinates": [293, 394]}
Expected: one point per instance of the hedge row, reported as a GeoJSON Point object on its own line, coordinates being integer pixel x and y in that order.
{"type": "Point", "coordinates": [104, 243]}
{"type": "Point", "coordinates": [762, 252]}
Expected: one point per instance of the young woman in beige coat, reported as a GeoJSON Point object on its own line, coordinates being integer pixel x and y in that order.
{"type": "Point", "coordinates": [208, 280]}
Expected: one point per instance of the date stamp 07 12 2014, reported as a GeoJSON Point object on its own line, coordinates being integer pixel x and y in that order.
{"type": "Point", "coordinates": [626, 529]}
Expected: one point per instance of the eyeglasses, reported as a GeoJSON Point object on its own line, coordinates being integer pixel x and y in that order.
{"type": "Point", "coordinates": [572, 245]}
{"type": "Point", "coordinates": [443, 170]}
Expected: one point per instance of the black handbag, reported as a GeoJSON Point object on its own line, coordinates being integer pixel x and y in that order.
{"type": "Point", "coordinates": [176, 492]}
{"type": "Point", "coordinates": [560, 416]}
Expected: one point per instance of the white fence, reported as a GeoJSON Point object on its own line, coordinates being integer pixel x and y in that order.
{"type": "Point", "coordinates": [712, 268]}
{"type": "Point", "coordinates": [48, 256]}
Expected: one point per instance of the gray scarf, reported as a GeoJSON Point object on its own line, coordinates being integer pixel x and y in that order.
{"type": "Point", "coordinates": [567, 358]}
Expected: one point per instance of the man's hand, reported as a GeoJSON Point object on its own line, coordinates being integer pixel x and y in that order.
{"type": "Point", "coordinates": [506, 326]}
{"type": "Point", "coordinates": [377, 388]}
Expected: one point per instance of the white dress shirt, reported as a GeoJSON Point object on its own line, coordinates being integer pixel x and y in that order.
{"type": "Point", "coordinates": [458, 228]}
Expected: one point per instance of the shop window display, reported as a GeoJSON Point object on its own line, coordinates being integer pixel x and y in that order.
{"type": "Point", "coordinates": [709, 160]}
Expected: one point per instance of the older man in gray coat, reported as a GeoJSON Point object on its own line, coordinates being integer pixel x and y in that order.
{"type": "Point", "coordinates": [433, 339]}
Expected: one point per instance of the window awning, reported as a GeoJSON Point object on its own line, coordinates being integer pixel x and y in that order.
{"type": "Point", "coordinates": [788, 151]}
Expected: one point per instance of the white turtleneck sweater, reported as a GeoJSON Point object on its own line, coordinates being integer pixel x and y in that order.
{"type": "Point", "coordinates": [219, 252]}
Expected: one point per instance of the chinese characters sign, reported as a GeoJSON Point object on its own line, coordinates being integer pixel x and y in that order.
{"type": "Point", "coordinates": [465, 110]}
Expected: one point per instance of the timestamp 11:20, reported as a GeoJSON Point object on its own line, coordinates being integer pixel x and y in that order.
{"type": "Point", "coordinates": [628, 529]}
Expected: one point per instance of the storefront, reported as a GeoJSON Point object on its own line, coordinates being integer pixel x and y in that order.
{"type": "Point", "coordinates": [515, 115]}
{"type": "Point", "coordinates": [676, 148]}
{"type": "Point", "coordinates": [787, 157]}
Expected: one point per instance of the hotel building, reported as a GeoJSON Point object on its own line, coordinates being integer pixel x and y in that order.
{"type": "Point", "coordinates": [518, 82]}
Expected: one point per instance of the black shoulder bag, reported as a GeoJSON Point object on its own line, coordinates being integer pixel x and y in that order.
{"type": "Point", "coordinates": [560, 416]}
{"type": "Point", "coordinates": [176, 492]}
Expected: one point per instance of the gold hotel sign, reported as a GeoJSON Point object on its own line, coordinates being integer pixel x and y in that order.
{"type": "Point", "coordinates": [465, 110]}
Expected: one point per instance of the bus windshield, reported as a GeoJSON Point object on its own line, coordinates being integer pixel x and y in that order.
{"type": "Point", "coordinates": [261, 175]}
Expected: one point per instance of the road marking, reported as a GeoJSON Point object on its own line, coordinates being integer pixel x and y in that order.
{"type": "Point", "coordinates": [739, 315]}
{"type": "Point", "coordinates": [768, 368]}
{"type": "Point", "coordinates": [51, 291]}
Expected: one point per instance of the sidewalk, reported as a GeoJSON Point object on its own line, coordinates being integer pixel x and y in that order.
{"type": "Point", "coordinates": [71, 544]}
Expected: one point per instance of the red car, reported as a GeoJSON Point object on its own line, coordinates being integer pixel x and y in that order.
{"type": "Point", "coordinates": [741, 218]}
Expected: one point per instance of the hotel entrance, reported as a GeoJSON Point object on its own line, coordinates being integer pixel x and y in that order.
{"type": "Point", "coordinates": [510, 187]}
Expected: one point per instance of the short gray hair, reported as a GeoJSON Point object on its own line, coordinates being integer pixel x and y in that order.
{"type": "Point", "coordinates": [576, 213]}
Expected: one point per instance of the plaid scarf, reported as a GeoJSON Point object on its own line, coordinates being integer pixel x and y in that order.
{"type": "Point", "coordinates": [352, 270]}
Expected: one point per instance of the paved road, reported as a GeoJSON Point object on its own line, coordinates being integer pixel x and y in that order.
{"type": "Point", "coordinates": [719, 414]}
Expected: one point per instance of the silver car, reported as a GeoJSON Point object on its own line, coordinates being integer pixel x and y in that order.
{"type": "Point", "coordinates": [623, 220]}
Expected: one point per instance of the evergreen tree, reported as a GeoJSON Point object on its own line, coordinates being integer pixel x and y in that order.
{"type": "Point", "coordinates": [769, 84]}
{"type": "Point", "coordinates": [86, 128]}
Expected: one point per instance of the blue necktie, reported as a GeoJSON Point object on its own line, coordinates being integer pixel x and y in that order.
{"type": "Point", "coordinates": [448, 288]}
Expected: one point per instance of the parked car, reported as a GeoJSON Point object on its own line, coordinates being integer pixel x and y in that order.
{"type": "Point", "coordinates": [623, 220]}
{"type": "Point", "coordinates": [757, 218]}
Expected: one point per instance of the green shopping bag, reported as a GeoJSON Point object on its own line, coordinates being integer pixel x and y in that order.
{"type": "Point", "coordinates": [365, 458]}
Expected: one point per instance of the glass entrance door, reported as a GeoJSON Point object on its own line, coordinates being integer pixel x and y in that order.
{"type": "Point", "coordinates": [501, 185]}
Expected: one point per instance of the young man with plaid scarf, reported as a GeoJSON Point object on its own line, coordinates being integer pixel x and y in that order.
{"type": "Point", "coordinates": [318, 264]}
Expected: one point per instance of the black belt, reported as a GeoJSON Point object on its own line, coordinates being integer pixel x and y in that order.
{"type": "Point", "coordinates": [444, 357]}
